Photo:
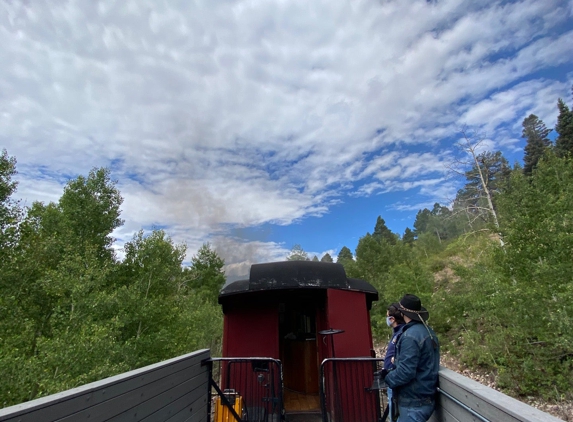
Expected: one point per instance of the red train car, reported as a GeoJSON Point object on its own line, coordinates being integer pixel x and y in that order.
{"type": "Point", "coordinates": [298, 313]}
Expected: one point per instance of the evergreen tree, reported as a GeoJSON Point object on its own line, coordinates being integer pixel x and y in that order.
{"type": "Point", "coordinates": [297, 253]}
{"type": "Point", "coordinates": [344, 256]}
{"type": "Point", "coordinates": [373, 258]}
{"type": "Point", "coordinates": [409, 236]}
{"type": "Point", "coordinates": [326, 258]}
{"type": "Point", "coordinates": [564, 128]}
{"type": "Point", "coordinates": [440, 222]}
{"type": "Point", "coordinates": [422, 221]}
{"type": "Point", "coordinates": [535, 133]}
{"type": "Point", "coordinates": [382, 232]}
{"type": "Point", "coordinates": [315, 258]}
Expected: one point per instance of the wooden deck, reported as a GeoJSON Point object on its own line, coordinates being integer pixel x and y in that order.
{"type": "Point", "coordinates": [298, 402]}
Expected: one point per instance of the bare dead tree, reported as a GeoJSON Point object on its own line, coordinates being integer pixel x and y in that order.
{"type": "Point", "coordinates": [470, 144]}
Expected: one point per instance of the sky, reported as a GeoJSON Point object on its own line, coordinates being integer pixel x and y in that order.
{"type": "Point", "coordinates": [257, 125]}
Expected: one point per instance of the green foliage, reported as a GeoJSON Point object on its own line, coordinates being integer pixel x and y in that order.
{"type": "Point", "coordinates": [297, 253]}
{"type": "Point", "coordinates": [373, 258]}
{"type": "Point", "coordinates": [510, 308]}
{"type": "Point", "coordinates": [440, 222]}
{"type": "Point", "coordinates": [7, 171]}
{"type": "Point", "coordinates": [507, 309]}
{"type": "Point", "coordinates": [490, 174]}
{"type": "Point", "coordinates": [90, 211]}
{"type": "Point", "coordinates": [326, 258]}
{"type": "Point", "coordinates": [70, 313]}
{"type": "Point", "coordinates": [345, 257]}
{"type": "Point", "coordinates": [9, 210]}
{"type": "Point", "coordinates": [382, 232]}
{"type": "Point", "coordinates": [409, 236]}
{"type": "Point", "coordinates": [206, 274]}
{"type": "Point", "coordinates": [564, 129]}
{"type": "Point", "coordinates": [535, 133]}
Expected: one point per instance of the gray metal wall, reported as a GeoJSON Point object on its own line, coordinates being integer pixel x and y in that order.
{"type": "Point", "coordinates": [174, 390]}
{"type": "Point", "coordinates": [490, 404]}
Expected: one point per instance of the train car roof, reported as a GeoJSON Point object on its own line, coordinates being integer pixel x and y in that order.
{"type": "Point", "coordinates": [288, 275]}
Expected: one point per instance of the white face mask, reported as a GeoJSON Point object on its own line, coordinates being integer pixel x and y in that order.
{"type": "Point", "coordinates": [388, 321]}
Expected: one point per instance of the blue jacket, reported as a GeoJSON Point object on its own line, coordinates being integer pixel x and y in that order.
{"type": "Point", "coordinates": [391, 350]}
{"type": "Point", "coordinates": [415, 377]}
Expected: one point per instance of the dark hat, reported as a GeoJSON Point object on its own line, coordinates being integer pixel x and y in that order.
{"type": "Point", "coordinates": [411, 306]}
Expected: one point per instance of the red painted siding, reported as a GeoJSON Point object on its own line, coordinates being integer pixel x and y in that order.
{"type": "Point", "coordinates": [251, 333]}
{"type": "Point", "coordinates": [347, 311]}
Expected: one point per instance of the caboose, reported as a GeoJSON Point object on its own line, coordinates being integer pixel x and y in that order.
{"type": "Point", "coordinates": [298, 313]}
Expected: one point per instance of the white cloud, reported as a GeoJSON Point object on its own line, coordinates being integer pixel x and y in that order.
{"type": "Point", "coordinates": [241, 113]}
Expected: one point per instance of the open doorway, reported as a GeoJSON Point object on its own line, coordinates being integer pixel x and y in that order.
{"type": "Point", "coordinates": [299, 355]}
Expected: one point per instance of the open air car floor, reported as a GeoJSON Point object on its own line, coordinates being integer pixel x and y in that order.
{"type": "Point", "coordinates": [303, 417]}
{"type": "Point", "coordinates": [297, 403]}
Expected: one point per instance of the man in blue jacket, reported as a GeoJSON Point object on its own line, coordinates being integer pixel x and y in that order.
{"type": "Point", "coordinates": [414, 380]}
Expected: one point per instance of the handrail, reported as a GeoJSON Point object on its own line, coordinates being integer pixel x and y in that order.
{"type": "Point", "coordinates": [469, 409]}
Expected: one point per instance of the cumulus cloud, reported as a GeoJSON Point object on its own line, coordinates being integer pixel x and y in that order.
{"type": "Point", "coordinates": [218, 114]}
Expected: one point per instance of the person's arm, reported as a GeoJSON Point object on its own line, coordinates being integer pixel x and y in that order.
{"type": "Point", "coordinates": [406, 364]}
{"type": "Point", "coordinates": [390, 352]}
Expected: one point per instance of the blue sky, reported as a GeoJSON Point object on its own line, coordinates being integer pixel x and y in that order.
{"type": "Point", "coordinates": [256, 125]}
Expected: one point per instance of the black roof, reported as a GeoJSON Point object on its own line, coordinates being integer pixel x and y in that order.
{"type": "Point", "coordinates": [297, 275]}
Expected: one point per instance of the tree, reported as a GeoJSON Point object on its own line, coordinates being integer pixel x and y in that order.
{"type": "Point", "coordinates": [315, 258]}
{"type": "Point", "coordinates": [488, 173]}
{"type": "Point", "coordinates": [373, 258]}
{"type": "Point", "coordinates": [564, 129]}
{"type": "Point", "coordinates": [535, 133]}
{"type": "Point", "coordinates": [90, 210]}
{"type": "Point", "coordinates": [326, 258]}
{"type": "Point", "coordinates": [344, 256]}
{"type": "Point", "coordinates": [440, 222]}
{"type": "Point", "coordinates": [297, 253]}
{"type": "Point", "coordinates": [10, 212]}
{"type": "Point", "coordinates": [59, 321]}
{"type": "Point", "coordinates": [422, 221]}
{"type": "Point", "coordinates": [536, 267]}
{"type": "Point", "coordinates": [207, 274]}
{"type": "Point", "coordinates": [70, 313]}
{"type": "Point", "coordinates": [382, 232]}
{"type": "Point", "coordinates": [7, 185]}
{"type": "Point", "coordinates": [409, 236]}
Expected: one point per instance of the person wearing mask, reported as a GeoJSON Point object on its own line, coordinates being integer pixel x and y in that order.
{"type": "Point", "coordinates": [414, 380]}
{"type": "Point", "coordinates": [395, 320]}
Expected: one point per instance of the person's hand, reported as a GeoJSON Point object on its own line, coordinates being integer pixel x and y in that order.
{"type": "Point", "coordinates": [383, 373]}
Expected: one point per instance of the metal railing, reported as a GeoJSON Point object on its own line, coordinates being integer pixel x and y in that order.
{"type": "Point", "coordinates": [257, 382]}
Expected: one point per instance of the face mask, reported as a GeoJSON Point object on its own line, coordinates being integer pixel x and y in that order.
{"type": "Point", "coordinates": [388, 321]}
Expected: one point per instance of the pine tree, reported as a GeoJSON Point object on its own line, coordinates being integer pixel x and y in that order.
{"type": "Point", "coordinates": [535, 132]}
{"type": "Point", "coordinates": [326, 258]}
{"type": "Point", "coordinates": [382, 232]}
{"type": "Point", "coordinates": [564, 128]}
{"type": "Point", "coordinates": [297, 253]}
{"type": "Point", "coordinates": [409, 236]}
{"type": "Point", "coordinates": [344, 256]}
